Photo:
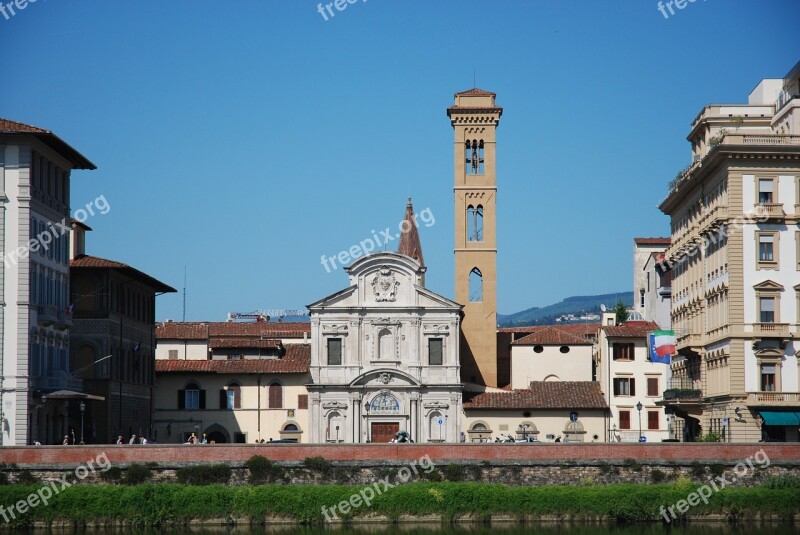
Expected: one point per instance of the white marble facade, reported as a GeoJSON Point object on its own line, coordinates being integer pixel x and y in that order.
{"type": "Point", "coordinates": [384, 357]}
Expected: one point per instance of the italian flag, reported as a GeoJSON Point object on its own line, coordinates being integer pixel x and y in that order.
{"type": "Point", "coordinates": [664, 343]}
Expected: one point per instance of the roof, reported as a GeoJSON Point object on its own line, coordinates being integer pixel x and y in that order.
{"type": "Point", "coordinates": [248, 343]}
{"type": "Point", "coordinates": [544, 395]}
{"type": "Point", "coordinates": [14, 128]}
{"type": "Point", "coordinates": [587, 330]}
{"type": "Point", "coordinates": [632, 329]}
{"type": "Point", "coordinates": [653, 241]}
{"type": "Point", "coordinates": [410, 244]}
{"type": "Point", "coordinates": [475, 92]}
{"type": "Point", "coordinates": [218, 329]}
{"type": "Point", "coordinates": [296, 360]}
{"type": "Point", "coordinates": [94, 262]}
{"type": "Point", "coordinates": [552, 336]}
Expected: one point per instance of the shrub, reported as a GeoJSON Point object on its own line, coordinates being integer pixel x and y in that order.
{"type": "Point", "coordinates": [697, 469]}
{"type": "Point", "coordinates": [204, 474]}
{"type": "Point", "coordinates": [262, 470]}
{"type": "Point", "coordinates": [318, 464]}
{"type": "Point", "coordinates": [716, 469]}
{"type": "Point", "coordinates": [658, 476]}
{"type": "Point", "coordinates": [25, 477]}
{"type": "Point", "coordinates": [453, 472]}
{"type": "Point", "coordinates": [633, 464]}
{"type": "Point", "coordinates": [112, 475]}
{"type": "Point", "coordinates": [136, 474]}
{"type": "Point", "coordinates": [710, 437]}
{"type": "Point", "coordinates": [781, 482]}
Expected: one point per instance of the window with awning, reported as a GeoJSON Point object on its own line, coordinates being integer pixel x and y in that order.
{"type": "Point", "coordinates": [781, 418]}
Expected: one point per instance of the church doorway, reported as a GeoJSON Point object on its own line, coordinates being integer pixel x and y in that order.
{"type": "Point", "coordinates": [383, 432]}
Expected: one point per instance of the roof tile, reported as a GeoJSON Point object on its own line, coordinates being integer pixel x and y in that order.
{"type": "Point", "coordinates": [544, 395]}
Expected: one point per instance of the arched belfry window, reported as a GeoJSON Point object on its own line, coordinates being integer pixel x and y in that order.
{"type": "Point", "coordinates": [473, 150]}
{"type": "Point", "coordinates": [475, 223]}
{"type": "Point", "coordinates": [475, 286]}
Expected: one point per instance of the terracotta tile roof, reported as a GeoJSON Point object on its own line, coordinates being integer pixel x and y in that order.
{"type": "Point", "coordinates": [544, 395]}
{"type": "Point", "coordinates": [653, 241]}
{"type": "Point", "coordinates": [235, 343]}
{"type": "Point", "coordinates": [587, 330]}
{"type": "Point", "coordinates": [296, 360]}
{"type": "Point", "coordinates": [632, 329]}
{"type": "Point", "coordinates": [552, 336]}
{"type": "Point", "coordinates": [204, 330]}
{"type": "Point", "coordinates": [94, 262]}
{"type": "Point", "coordinates": [475, 92]}
{"type": "Point", "coordinates": [12, 128]}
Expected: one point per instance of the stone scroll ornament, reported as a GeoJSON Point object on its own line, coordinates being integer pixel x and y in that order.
{"type": "Point", "coordinates": [385, 285]}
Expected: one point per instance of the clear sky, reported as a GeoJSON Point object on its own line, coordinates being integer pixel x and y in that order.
{"type": "Point", "coordinates": [246, 139]}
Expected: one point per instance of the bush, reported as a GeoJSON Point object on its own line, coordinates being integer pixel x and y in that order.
{"type": "Point", "coordinates": [112, 475]}
{"type": "Point", "coordinates": [658, 476]}
{"type": "Point", "coordinates": [262, 470]}
{"type": "Point", "coordinates": [204, 474]}
{"type": "Point", "coordinates": [633, 464]}
{"type": "Point", "coordinates": [136, 474]}
{"type": "Point", "coordinates": [318, 464]}
{"type": "Point", "coordinates": [781, 482]}
{"type": "Point", "coordinates": [716, 469]}
{"type": "Point", "coordinates": [453, 472]}
{"type": "Point", "coordinates": [25, 477]}
{"type": "Point", "coordinates": [697, 469]}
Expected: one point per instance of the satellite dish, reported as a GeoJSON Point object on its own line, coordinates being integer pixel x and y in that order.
{"type": "Point", "coordinates": [602, 307]}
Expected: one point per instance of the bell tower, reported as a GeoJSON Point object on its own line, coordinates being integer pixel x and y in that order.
{"type": "Point", "coordinates": [475, 117]}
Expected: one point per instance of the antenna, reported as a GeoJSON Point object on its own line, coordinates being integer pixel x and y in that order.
{"type": "Point", "coordinates": [184, 294]}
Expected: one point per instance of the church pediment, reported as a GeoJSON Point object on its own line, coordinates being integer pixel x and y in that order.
{"type": "Point", "coordinates": [384, 377]}
{"type": "Point", "coordinates": [344, 297]}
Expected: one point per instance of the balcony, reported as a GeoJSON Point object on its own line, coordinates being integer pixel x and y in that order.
{"type": "Point", "coordinates": [682, 394]}
{"type": "Point", "coordinates": [53, 383]}
{"type": "Point", "coordinates": [771, 330]}
{"type": "Point", "coordinates": [63, 321]}
{"type": "Point", "coordinates": [773, 399]}
{"type": "Point", "coordinates": [47, 315]}
{"type": "Point", "coordinates": [769, 211]}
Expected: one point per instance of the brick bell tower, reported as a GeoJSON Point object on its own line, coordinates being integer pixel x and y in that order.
{"type": "Point", "coordinates": [475, 118]}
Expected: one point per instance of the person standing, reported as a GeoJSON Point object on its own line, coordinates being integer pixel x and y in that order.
{"type": "Point", "coordinates": [119, 440]}
{"type": "Point", "coordinates": [133, 439]}
{"type": "Point", "coordinates": [66, 441]}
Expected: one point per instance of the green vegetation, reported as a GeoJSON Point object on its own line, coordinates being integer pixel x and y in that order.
{"type": "Point", "coordinates": [204, 474]}
{"type": "Point", "coordinates": [620, 313]}
{"type": "Point", "coordinates": [319, 465]}
{"type": "Point", "coordinates": [262, 471]}
{"type": "Point", "coordinates": [169, 504]}
{"type": "Point", "coordinates": [136, 474]}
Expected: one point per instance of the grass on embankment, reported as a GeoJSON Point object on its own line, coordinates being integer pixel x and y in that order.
{"type": "Point", "coordinates": [157, 504]}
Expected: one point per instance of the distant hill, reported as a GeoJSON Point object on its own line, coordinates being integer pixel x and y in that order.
{"type": "Point", "coordinates": [576, 306]}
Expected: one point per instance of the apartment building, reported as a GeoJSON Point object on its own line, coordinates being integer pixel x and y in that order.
{"type": "Point", "coordinates": [35, 169]}
{"type": "Point", "coordinates": [734, 260]}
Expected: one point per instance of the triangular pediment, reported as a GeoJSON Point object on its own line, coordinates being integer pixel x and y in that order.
{"type": "Point", "coordinates": [769, 285]}
{"type": "Point", "coordinates": [334, 299]}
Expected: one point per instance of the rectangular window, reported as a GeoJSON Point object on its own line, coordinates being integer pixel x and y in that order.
{"type": "Point", "coordinates": [230, 399]}
{"type": "Point", "coordinates": [302, 401]}
{"type": "Point", "coordinates": [435, 351]}
{"type": "Point", "coordinates": [235, 356]}
{"type": "Point", "coordinates": [641, 298]}
{"type": "Point", "coordinates": [623, 351]}
{"type": "Point", "coordinates": [624, 386]}
{"type": "Point", "coordinates": [173, 354]}
{"type": "Point", "coordinates": [239, 438]}
{"type": "Point", "coordinates": [765, 248]}
{"type": "Point", "coordinates": [334, 351]}
{"type": "Point", "coordinates": [767, 309]}
{"type": "Point", "coordinates": [624, 419]}
{"type": "Point", "coordinates": [653, 420]}
{"type": "Point", "coordinates": [652, 386]}
{"type": "Point", "coordinates": [765, 191]}
{"type": "Point", "coordinates": [768, 378]}
{"type": "Point", "coordinates": [192, 400]}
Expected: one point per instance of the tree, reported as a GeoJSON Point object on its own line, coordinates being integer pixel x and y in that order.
{"type": "Point", "coordinates": [621, 312]}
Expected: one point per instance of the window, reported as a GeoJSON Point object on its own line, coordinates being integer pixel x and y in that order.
{"type": "Point", "coordinates": [765, 191]}
{"type": "Point", "coordinates": [334, 351]}
{"type": "Point", "coordinates": [641, 297]}
{"type": "Point", "coordinates": [473, 153]}
{"type": "Point", "coordinates": [564, 349]}
{"type": "Point", "coordinates": [475, 223]}
{"type": "Point", "coordinates": [275, 396]}
{"type": "Point", "coordinates": [624, 386]}
{"type": "Point", "coordinates": [766, 309]}
{"type": "Point", "coordinates": [768, 378]}
{"type": "Point", "coordinates": [192, 398]}
{"type": "Point", "coordinates": [235, 356]}
{"type": "Point", "coordinates": [623, 351]}
{"type": "Point", "coordinates": [475, 286]}
{"type": "Point", "coordinates": [302, 401]}
{"type": "Point", "coordinates": [652, 386]}
{"type": "Point", "coordinates": [435, 352]}
{"type": "Point", "coordinates": [231, 398]}
{"type": "Point", "coordinates": [173, 354]}
{"type": "Point", "coordinates": [765, 248]}
{"type": "Point", "coordinates": [624, 419]}
{"type": "Point", "coordinates": [653, 420]}
{"type": "Point", "coordinates": [538, 349]}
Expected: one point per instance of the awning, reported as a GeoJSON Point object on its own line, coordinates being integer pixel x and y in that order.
{"type": "Point", "coordinates": [70, 394]}
{"type": "Point", "coordinates": [780, 418]}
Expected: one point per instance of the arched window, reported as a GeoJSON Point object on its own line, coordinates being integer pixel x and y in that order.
{"type": "Point", "coordinates": [190, 397]}
{"type": "Point", "coordinates": [233, 397]}
{"type": "Point", "coordinates": [275, 396]}
{"type": "Point", "coordinates": [385, 345]}
{"type": "Point", "coordinates": [475, 223]}
{"type": "Point", "coordinates": [475, 286]}
{"type": "Point", "coordinates": [473, 156]}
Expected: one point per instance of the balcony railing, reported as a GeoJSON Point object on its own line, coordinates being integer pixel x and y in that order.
{"type": "Point", "coordinates": [772, 210]}
{"type": "Point", "coordinates": [682, 394]}
{"type": "Point", "coordinates": [777, 398]}
{"type": "Point", "coordinates": [51, 384]}
{"type": "Point", "coordinates": [771, 329]}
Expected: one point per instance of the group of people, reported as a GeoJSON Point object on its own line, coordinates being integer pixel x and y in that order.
{"type": "Point", "coordinates": [133, 440]}
{"type": "Point", "coordinates": [69, 440]}
{"type": "Point", "coordinates": [193, 440]}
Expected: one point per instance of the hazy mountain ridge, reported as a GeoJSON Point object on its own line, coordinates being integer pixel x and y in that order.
{"type": "Point", "coordinates": [576, 305]}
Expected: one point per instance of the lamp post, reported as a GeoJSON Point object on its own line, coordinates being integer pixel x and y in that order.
{"type": "Point", "coordinates": [83, 409]}
{"type": "Point", "coordinates": [337, 434]}
{"type": "Point", "coordinates": [639, 408]}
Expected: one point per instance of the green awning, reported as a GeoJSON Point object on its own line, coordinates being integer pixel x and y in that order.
{"type": "Point", "coordinates": [780, 418]}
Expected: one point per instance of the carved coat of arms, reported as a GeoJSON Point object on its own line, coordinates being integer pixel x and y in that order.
{"type": "Point", "coordinates": [385, 285]}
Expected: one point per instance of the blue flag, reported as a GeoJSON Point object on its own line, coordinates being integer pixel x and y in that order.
{"type": "Point", "coordinates": [651, 350]}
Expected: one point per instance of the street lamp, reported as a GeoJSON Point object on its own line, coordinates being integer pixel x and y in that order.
{"type": "Point", "coordinates": [337, 434]}
{"type": "Point", "coordinates": [639, 408]}
{"type": "Point", "coordinates": [83, 409]}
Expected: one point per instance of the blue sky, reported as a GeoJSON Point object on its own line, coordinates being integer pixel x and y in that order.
{"type": "Point", "coordinates": [246, 139]}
